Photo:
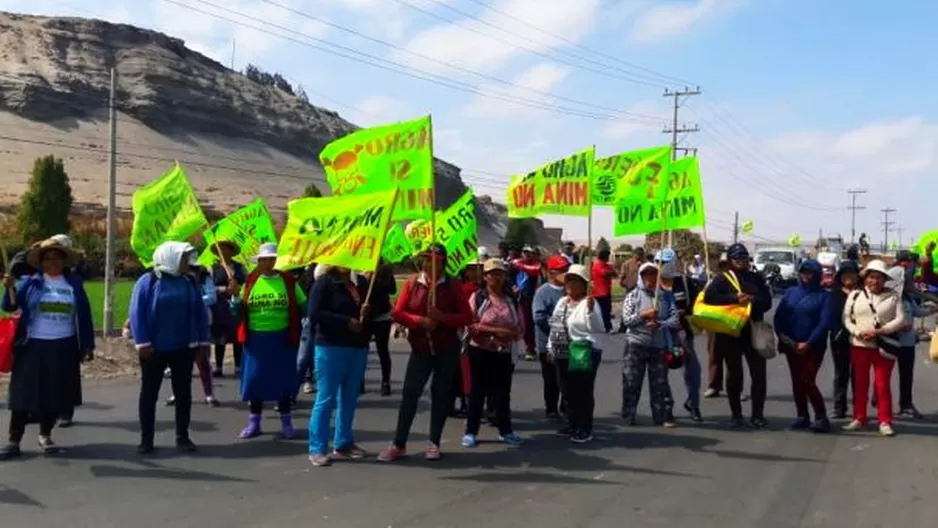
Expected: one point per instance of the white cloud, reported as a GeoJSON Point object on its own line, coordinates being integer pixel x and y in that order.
{"type": "Point", "coordinates": [530, 88]}
{"type": "Point", "coordinates": [475, 45]}
{"type": "Point", "coordinates": [629, 127]}
{"type": "Point", "coordinates": [670, 19]}
{"type": "Point", "coordinates": [379, 109]}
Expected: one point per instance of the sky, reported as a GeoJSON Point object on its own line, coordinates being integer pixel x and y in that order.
{"type": "Point", "coordinates": [800, 100]}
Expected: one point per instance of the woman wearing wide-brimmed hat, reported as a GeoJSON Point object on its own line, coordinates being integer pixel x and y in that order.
{"type": "Point", "coordinates": [224, 324]}
{"type": "Point", "coordinates": [870, 314]}
{"type": "Point", "coordinates": [269, 326]}
{"type": "Point", "coordinates": [54, 335]}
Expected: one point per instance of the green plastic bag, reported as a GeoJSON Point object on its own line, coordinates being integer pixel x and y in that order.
{"type": "Point", "coordinates": [581, 356]}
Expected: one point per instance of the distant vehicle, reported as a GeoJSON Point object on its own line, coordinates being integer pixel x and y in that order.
{"type": "Point", "coordinates": [829, 261]}
{"type": "Point", "coordinates": [787, 261]}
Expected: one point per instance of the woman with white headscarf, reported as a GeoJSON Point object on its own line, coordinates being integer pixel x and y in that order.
{"type": "Point", "coordinates": [169, 324]}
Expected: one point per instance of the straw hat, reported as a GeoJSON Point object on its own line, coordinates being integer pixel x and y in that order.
{"type": "Point", "coordinates": [34, 256]}
{"type": "Point", "coordinates": [235, 249]}
{"type": "Point", "coordinates": [493, 265]}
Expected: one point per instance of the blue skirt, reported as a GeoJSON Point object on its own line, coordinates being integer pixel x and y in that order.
{"type": "Point", "coordinates": [268, 367]}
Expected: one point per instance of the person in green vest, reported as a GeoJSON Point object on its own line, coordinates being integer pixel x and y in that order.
{"type": "Point", "coordinates": [268, 310]}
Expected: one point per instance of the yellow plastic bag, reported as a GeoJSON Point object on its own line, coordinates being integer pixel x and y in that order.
{"type": "Point", "coordinates": [727, 319]}
{"type": "Point", "coordinates": [933, 348]}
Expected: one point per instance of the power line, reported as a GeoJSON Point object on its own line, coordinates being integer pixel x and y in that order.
{"type": "Point", "coordinates": [667, 78]}
{"type": "Point", "coordinates": [630, 77]}
{"type": "Point", "coordinates": [396, 67]}
{"type": "Point", "coordinates": [675, 131]}
{"type": "Point", "coordinates": [853, 207]}
{"type": "Point", "coordinates": [887, 226]}
{"type": "Point", "coordinates": [433, 59]}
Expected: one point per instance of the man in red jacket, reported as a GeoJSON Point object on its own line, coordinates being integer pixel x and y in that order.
{"type": "Point", "coordinates": [433, 333]}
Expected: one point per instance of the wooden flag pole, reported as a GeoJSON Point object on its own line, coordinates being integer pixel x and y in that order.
{"type": "Point", "coordinates": [384, 238]}
{"type": "Point", "coordinates": [6, 269]}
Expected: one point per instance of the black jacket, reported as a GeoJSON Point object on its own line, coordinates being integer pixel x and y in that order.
{"type": "Point", "coordinates": [331, 307]}
{"type": "Point", "coordinates": [385, 288]}
{"type": "Point", "coordinates": [721, 292]}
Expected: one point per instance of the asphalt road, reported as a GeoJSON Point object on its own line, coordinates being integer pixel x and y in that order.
{"type": "Point", "coordinates": [694, 476]}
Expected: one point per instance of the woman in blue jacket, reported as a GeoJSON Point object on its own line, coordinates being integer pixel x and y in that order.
{"type": "Point", "coordinates": [54, 335]}
{"type": "Point", "coordinates": [169, 323]}
{"type": "Point", "coordinates": [802, 321]}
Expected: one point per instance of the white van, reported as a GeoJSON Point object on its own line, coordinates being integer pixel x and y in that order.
{"type": "Point", "coordinates": [787, 260]}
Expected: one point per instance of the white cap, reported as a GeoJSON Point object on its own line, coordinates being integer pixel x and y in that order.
{"type": "Point", "coordinates": [268, 250]}
{"type": "Point", "coordinates": [579, 270]}
{"type": "Point", "coordinates": [483, 253]}
{"type": "Point", "coordinates": [64, 240]}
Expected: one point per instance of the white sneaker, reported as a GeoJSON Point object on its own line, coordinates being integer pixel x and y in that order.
{"type": "Point", "coordinates": [886, 429]}
{"type": "Point", "coordinates": [854, 425]}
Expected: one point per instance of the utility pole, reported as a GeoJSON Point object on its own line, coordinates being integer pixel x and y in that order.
{"type": "Point", "coordinates": [887, 226]}
{"type": "Point", "coordinates": [675, 130]}
{"type": "Point", "coordinates": [736, 228]}
{"type": "Point", "coordinates": [110, 257]}
{"type": "Point", "coordinates": [853, 207]}
{"type": "Point", "coordinates": [899, 231]}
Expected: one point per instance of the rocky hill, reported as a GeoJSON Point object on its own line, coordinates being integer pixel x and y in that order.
{"type": "Point", "coordinates": [237, 137]}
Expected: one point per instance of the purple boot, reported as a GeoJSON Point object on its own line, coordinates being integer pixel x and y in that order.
{"type": "Point", "coordinates": [253, 429]}
{"type": "Point", "coordinates": [287, 431]}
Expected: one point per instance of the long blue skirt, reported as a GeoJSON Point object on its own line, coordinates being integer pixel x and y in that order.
{"type": "Point", "coordinates": [268, 367]}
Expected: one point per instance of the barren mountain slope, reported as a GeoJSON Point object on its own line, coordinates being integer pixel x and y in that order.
{"type": "Point", "coordinates": [236, 137]}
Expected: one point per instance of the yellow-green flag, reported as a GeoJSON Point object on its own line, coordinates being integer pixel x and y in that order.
{"type": "Point", "coordinates": [346, 231]}
{"type": "Point", "coordinates": [608, 172]}
{"type": "Point", "coordinates": [457, 230]}
{"type": "Point", "coordinates": [165, 209]}
{"type": "Point", "coordinates": [248, 227]}
{"type": "Point", "coordinates": [398, 156]}
{"type": "Point", "coordinates": [794, 240]}
{"type": "Point", "coordinates": [641, 191]}
{"type": "Point", "coordinates": [561, 187]}
{"type": "Point", "coordinates": [748, 227]}
{"type": "Point", "coordinates": [520, 197]}
{"type": "Point", "coordinates": [420, 234]}
{"type": "Point", "coordinates": [397, 248]}
{"type": "Point", "coordinates": [685, 206]}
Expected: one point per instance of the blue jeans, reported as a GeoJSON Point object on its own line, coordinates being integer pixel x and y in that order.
{"type": "Point", "coordinates": [304, 356]}
{"type": "Point", "coordinates": [692, 375]}
{"type": "Point", "coordinates": [339, 373]}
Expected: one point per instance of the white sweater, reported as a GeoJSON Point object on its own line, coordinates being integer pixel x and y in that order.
{"type": "Point", "coordinates": [859, 317]}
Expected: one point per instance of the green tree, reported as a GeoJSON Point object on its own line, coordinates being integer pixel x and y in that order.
{"type": "Point", "coordinates": [521, 231]}
{"type": "Point", "coordinates": [311, 191]}
{"type": "Point", "coordinates": [47, 201]}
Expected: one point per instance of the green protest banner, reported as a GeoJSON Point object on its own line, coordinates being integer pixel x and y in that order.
{"type": "Point", "coordinates": [685, 205]}
{"type": "Point", "coordinates": [418, 233]}
{"type": "Point", "coordinates": [378, 159]}
{"type": "Point", "coordinates": [346, 231]}
{"type": "Point", "coordinates": [608, 172]}
{"type": "Point", "coordinates": [457, 230]}
{"type": "Point", "coordinates": [561, 187]}
{"type": "Point", "coordinates": [165, 209]}
{"type": "Point", "coordinates": [641, 191]}
{"type": "Point", "coordinates": [248, 227]}
{"type": "Point", "coordinates": [397, 248]}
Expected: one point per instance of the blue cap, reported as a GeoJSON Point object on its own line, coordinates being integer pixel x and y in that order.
{"type": "Point", "coordinates": [665, 255]}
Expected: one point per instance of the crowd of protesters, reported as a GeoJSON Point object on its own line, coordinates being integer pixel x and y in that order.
{"type": "Point", "coordinates": [312, 329]}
